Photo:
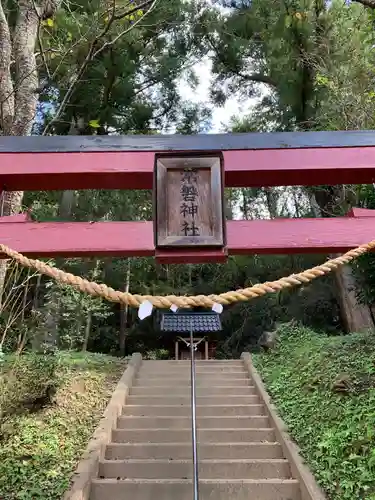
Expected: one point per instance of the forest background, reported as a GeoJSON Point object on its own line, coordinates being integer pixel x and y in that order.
{"type": "Point", "coordinates": [87, 67]}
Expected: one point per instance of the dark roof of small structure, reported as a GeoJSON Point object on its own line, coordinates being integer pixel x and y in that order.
{"type": "Point", "coordinates": [200, 322]}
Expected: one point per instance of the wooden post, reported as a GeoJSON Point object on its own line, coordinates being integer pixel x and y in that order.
{"type": "Point", "coordinates": [206, 349]}
{"type": "Point", "coordinates": [176, 350]}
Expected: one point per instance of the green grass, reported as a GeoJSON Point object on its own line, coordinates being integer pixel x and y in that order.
{"type": "Point", "coordinates": [335, 431]}
{"type": "Point", "coordinates": [41, 450]}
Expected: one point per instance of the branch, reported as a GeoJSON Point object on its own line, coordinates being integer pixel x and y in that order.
{"type": "Point", "coordinates": [134, 9]}
{"type": "Point", "coordinates": [146, 85]}
{"type": "Point", "coordinates": [6, 85]}
{"type": "Point", "coordinates": [40, 43]}
{"type": "Point", "coordinates": [71, 88]}
{"type": "Point", "coordinates": [123, 33]}
{"type": "Point", "coordinates": [92, 54]}
{"type": "Point", "coordinates": [48, 8]}
{"type": "Point", "coordinates": [367, 3]}
{"type": "Point", "coordinates": [84, 37]}
{"type": "Point", "coordinates": [257, 77]}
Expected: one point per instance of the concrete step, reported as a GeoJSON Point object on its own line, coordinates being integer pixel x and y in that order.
{"type": "Point", "coordinates": [186, 391]}
{"type": "Point", "coordinates": [185, 400]}
{"type": "Point", "coordinates": [200, 371]}
{"type": "Point", "coordinates": [229, 363]}
{"type": "Point", "coordinates": [183, 469]}
{"type": "Point", "coordinates": [185, 376]}
{"type": "Point", "coordinates": [214, 489]}
{"type": "Point", "coordinates": [185, 411]}
{"type": "Point", "coordinates": [186, 362]}
{"type": "Point", "coordinates": [129, 422]}
{"type": "Point", "coordinates": [170, 364]}
{"type": "Point", "coordinates": [182, 451]}
{"type": "Point", "coordinates": [185, 382]}
{"type": "Point", "coordinates": [184, 435]}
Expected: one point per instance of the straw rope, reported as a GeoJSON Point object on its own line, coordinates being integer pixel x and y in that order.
{"type": "Point", "coordinates": [163, 302]}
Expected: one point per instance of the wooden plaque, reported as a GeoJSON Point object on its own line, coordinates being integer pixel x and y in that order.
{"type": "Point", "coordinates": [188, 201]}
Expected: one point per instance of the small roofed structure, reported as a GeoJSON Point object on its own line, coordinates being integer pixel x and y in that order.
{"type": "Point", "coordinates": [180, 324]}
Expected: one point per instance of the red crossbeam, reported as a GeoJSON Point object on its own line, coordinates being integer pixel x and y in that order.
{"type": "Point", "coordinates": [134, 170]}
{"type": "Point", "coordinates": [128, 239]}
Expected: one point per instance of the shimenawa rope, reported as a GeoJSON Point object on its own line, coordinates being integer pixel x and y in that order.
{"type": "Point", "coordinates": [164, 302]}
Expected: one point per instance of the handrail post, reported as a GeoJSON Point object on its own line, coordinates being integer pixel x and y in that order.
{"type": "Point", "coordinates": [194, 416]}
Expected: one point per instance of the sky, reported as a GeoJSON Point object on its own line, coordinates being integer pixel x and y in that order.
{"type": "Point", "coordinates": [221, 115]}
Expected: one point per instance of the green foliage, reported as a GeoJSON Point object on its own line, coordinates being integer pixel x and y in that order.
{"type": "Point", "coordinates": [335, 430]}
{"type": "Point", "coordinates": [297, 56]}
{"type": "Point", "coordinates": [73, 309]}
{"type": "Point", "coordinates": [40, 450]}
{"type": "Point", "coordinates": [157, 354]}
{"type": "Point", "coordinates": [311, 65]}
{"type": "Point", "coordinates": [130, 86]}
{"type": "Point", "coordinates": [27, 381]}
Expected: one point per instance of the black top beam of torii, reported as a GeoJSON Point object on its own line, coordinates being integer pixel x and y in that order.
{"type": "Point", "coordinates": [199, 142]}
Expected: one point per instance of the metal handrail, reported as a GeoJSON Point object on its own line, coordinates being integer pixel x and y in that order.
{"type": "Point", "coordinates": [194, 416]}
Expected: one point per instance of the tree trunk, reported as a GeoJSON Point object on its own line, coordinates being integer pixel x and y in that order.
{"type": "Point", "coordinates": [3, 274]}
{"type": "Point", "coordinates": [124, 309]}
{"type": "Point", "coordinates": [87, 331]}
{"type": "Point", "coordinates": [24, 299]}
{"type": "Point", "coordinates": [47, 339]}
{"type": "Point", "coordinates": [79, 321]}
{"type": "Point", "coordinates": [49, 333]}
{"type": "Point", "coordinates": [36, 293]}
{"type": "Point", "coordinates": [228, 210]}
{"type": "Point", "coordinates": [356, 317]}
{"type": "Point", "coordinates": [6, 83]}
{"type": "Point", "coordinates": [67, 203]}
{"type": "Point", "coordinates": [19, 88]}
{"type": "Point", "coordinates": [271, 199]}
{"type": "Point", "coordinates": [65, 210]}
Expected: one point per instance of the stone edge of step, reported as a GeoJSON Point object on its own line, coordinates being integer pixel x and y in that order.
{"type": "Point", "coordinates": [201, 481]}
{"type": "Point", "coordinates": [185, 443]}
{"type": "Point", "coordinates": [188, 429]}
{"type": "Point", "coordinates": [179, 406]}
{"type": "Point", "coordinates": [188, 461]}
{"type": "Point", "coordinates": [203, 417]}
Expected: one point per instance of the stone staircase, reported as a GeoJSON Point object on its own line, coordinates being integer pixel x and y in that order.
{"type": "Point", "coordinates": [149, 457]}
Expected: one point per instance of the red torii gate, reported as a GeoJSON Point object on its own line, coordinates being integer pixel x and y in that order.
{"type": "Point", "coordinates": [127, 162]}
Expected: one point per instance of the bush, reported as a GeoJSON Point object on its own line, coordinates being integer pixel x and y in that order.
{"type": "Point", "coordinates": [157, 354]}
{"type": "Point", "coordinates": [41, 450]}
{"type": "Point", "coordinates": [324, 388]}
{"type": "Point", "coordinates": [27, 383]}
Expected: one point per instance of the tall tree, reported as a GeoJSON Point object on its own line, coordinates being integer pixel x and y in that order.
{"type": "Point", "coordinates": [94, 68]}
{"type": "Point", "coordinates": [19, 25]}
{"type": "Point", "coordinates": [282, 45]}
